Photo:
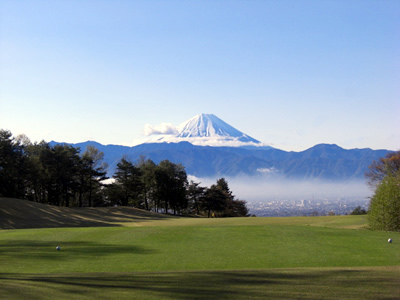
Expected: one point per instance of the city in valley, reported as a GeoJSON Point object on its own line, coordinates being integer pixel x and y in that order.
{"type": "Point", "coordinates": [284, 197]}
{"type": "Point", "coordinates": [307, 207]}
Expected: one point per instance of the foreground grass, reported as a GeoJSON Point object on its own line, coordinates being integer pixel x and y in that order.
{"type": "Point", "coordinates": [209, 262]}
{"type": "Point", "coordinates": [309, 283]}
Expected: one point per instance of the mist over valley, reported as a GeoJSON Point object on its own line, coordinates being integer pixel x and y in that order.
{"type": "Point", "coordinates": [280, 196]}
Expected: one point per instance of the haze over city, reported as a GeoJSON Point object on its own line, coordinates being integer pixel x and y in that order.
{"type": "Point", "coordinates": [290, 74]}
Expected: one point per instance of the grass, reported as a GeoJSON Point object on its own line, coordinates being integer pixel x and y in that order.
{"type": "Point", "coordinates": [188, 248]}
{"type": "Point", "coordinates": [304, 283]}
{"type": "Point", "coordinates": [189, 258]}
{"type": "Point", "coordinates": [18, 214]}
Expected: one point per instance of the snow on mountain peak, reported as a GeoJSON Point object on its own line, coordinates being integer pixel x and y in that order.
{"type": "Point", "coordinates": [208, 129]}
{"type": "Point", "coordinates": [209, 125]}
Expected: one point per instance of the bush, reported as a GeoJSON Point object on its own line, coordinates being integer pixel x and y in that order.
{"type": "Point", "coordinates": [358, 211]}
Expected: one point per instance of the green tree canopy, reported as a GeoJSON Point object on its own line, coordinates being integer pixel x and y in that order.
{"type": "Point", "coordinates": [93, 172]}
{"type": "Point", "coordinates": [11, 166]}
{"type": "Point", "coordinates": [195, 193]}
{"type": "Point", "coordinates": [358, 211]}
{"type": "Point", "coordinates": [214, 200]}
{"type": "Point", "coordinates": [384, 209]}
{"type": "Point", "coordinates": [171, 181]}
{"type": "Point", "coordinates": [127, 183]}
{"type": "Point", "coordinates": [147, 169]}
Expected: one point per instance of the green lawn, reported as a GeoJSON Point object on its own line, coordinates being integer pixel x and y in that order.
{"type": "Point", "coordinates": [189, 258]}
{"type": "Point", "coordinates": [192, 248]}
{"type": "Point", "coordinates": [303, 283]}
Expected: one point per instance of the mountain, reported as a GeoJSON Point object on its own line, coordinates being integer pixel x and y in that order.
{"type": "Point", "coordinates": [323, 161]}
{"type": "Point", "coordinates": [208, 147]}
{"type": "Point", "coordinates": [208, 130]}
{"type": "Point", "coordinates": [209, 125]}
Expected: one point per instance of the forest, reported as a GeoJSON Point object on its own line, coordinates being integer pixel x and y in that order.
{"type": "Point", "coordinates": [64, 176]}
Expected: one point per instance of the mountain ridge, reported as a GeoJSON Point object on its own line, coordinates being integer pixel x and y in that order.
{"type": "Point", "coordinates": [322, 161]}
{"type": "Point", "coordinates": [208, 147]}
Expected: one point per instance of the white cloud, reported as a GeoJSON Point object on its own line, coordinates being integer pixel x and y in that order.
{"type": "Point", "coordinates": [163, 128]}
{"type": "Point", "coordinates": [205, 141]}
{"type": "Point", "coordinates": [267, 170]}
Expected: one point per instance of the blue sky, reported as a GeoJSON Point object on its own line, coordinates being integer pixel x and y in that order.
{"type": "Point", "coordinates": [289, 73]}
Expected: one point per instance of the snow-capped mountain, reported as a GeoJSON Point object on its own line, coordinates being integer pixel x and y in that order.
{"type": "Point", "coordinates": [208, 130]}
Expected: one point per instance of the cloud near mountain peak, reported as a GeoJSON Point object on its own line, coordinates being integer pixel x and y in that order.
{"type": "Point", "coordinates": [163, 128]}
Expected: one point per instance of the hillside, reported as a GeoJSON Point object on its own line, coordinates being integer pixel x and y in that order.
{"type": "Point", "coordinates": [18, 214]}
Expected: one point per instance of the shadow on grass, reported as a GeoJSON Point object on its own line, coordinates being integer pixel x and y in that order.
{"type": "Point", "coordinates": [372, 283]}
{"type": "Point", "coordinates": [18, 214]}
{"type": "Point", "coordinates": [69, 250]}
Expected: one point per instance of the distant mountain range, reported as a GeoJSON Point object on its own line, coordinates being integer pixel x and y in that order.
{"type": "Point", "coordinates": [323, 161]}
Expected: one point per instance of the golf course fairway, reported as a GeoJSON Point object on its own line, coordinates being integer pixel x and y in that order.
{"type": "Point", "coordinates": [199, 258]}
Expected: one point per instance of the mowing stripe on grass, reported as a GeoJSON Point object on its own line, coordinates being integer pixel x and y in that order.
{"type": "Point", "coordinates": [304, 283]}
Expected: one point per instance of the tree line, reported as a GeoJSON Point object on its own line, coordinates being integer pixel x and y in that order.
{"type": "Point", "coordinates": [61, 175]}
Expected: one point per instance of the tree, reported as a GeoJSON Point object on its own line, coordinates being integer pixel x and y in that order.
{"type": "Point", "coordinates": [37, 172]}
{"type": "Point", "coordinates": [213, 200]}
{"type": "Point", "coordinates": [171, 181]}
{"type": "Point", "coordinates": [12, 161]}
{"type": "Point", "coordinates": [220, 200]}
{"type": "Point", "coordinates": [195, 193]}
{"type": "Point", "coordinates": [237, 208]}
{"type": "Point", "coordinates": [384, 209]}
{"type": "Point", "coordinates": [62, 164]}
{"type": "Point", "coordinates": [385, 166]}
{"type": "Point", "coordinates": [92, 171]}
{"type": "Point", "coordinates": [222, 184]}
{"type": "Point", "coordinates": [127, 183]}
{"type": "Point", "coordinates": [232, 207]}
{"type": "Point", "coordinates": [358, 211]}
{"type": "Point", "coordinates": [147, 170]}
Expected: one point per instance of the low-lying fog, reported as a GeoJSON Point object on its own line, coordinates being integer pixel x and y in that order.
{"type": "Point", "coordinates": [263, 188]}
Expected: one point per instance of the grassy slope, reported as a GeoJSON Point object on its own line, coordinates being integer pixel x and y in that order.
{"type": "Point", "coordinates": [153, 258]}
{"type": "Point", "coordinates": [17, 214]}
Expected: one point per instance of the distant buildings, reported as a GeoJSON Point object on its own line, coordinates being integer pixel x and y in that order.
{"type": "Point", "coordinates": [305, 207]}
